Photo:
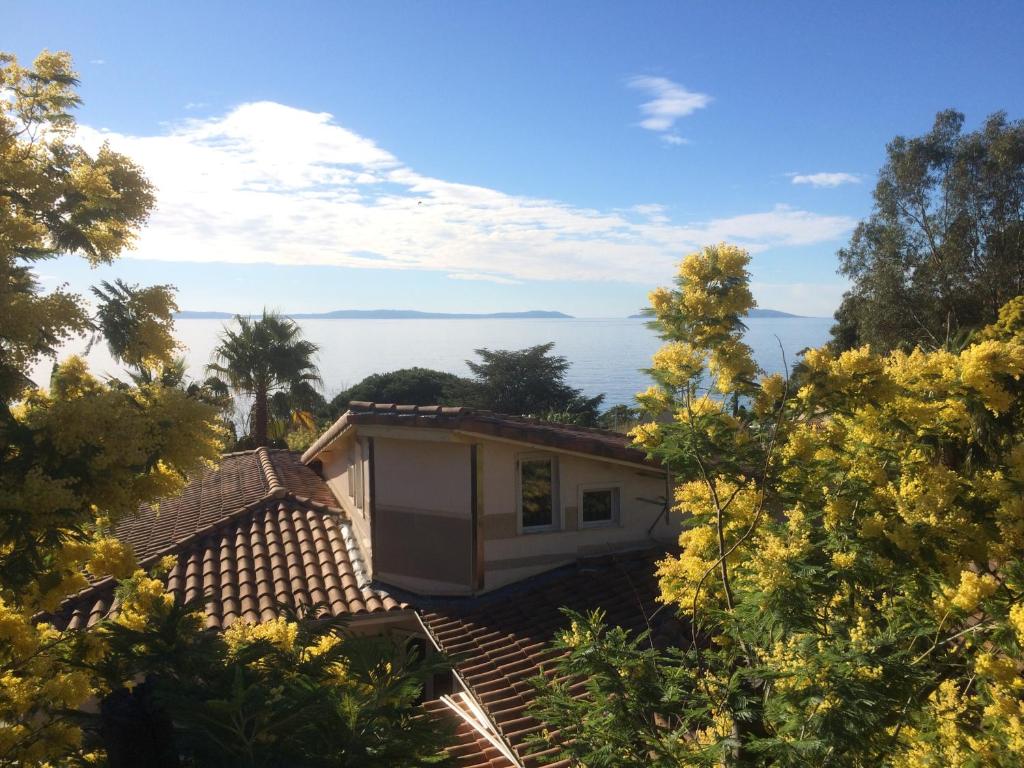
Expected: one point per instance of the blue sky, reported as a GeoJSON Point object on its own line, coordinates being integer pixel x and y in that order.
{"type": "Point", "coordinates": [506, 156]}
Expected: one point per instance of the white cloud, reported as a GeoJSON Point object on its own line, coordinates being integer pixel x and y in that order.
{"type": "Point", "coordinates": [195, 105]}
{"type": "Point", "coordinates": [654, 212]}
{"type": "Point", "coordinates": [670, 102]}
{"type": "Point", "coordinates": [481, 277]}
{"type": "Point", "coordinates": [825, 179]}
{"type": "Point", "coordinates": [271, 183]}
{"type": "Point", "coordinates": [98, 62]}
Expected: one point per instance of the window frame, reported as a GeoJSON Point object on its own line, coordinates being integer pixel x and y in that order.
{"type": "Point", "coordinates": [616, 517]}
{"type": "Point", "coordinates": [556, 507]}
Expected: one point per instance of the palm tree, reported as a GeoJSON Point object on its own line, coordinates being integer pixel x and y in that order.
{"type": "Point", "coordinates": [263, 356]}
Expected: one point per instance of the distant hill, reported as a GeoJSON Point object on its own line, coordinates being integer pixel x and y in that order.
{"type": "Point", "coordinates": [187, 314]}
{"type": "Point", "coordinates": [383, 314]}
{"type": "Point", "coordinates": [770, 313]}
{"type": "Point", "coordinates": [753, 313]}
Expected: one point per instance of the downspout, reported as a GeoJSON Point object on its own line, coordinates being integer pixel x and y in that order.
{"type": "Point", "coordinates": [371, 504]}
{"type": "Point", "coordinates": [476, 508]}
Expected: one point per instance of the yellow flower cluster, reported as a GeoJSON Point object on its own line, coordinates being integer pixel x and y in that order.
{"type": "Point", "coordinates": [985, 364]}
{"type": "Point", "coordinates": [1017, 622]}
{"type": "Point", "coordinates": [646, 435]}
{"type": "Point", "coordinates": [33, 678]}
{"type": "Point", "coordinates": [703, 318]}
{"type": "Point", "coordinates": [968, 594]}
{"type": "Point", "coordinates": [680, 577]}
{"type": "Point", "coordinates": [279, 632]}
{"type": "Point", "coordinates": [111, 557]}
{"type": "Point", "coordinates": [144, 597]}
{"type": "Point", "coordinates": [678, 362]}
{"type": "Point", "coordinates": [576, 636]}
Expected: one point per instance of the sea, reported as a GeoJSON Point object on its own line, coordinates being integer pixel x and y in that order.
{"type": "Point", "coordinates": [606, 355]}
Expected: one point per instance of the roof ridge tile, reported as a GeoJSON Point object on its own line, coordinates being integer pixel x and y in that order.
{"type": "Point", "coordinates": [275, 488]}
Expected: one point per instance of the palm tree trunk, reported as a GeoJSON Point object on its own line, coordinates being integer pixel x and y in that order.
{"type": "Point", "coordinates": [260, 418]}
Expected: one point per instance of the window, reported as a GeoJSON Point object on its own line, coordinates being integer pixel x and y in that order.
{"type": "Point", "coordinates": [598, 506]}
{"type": "Point", "coordinates": [537, 493]}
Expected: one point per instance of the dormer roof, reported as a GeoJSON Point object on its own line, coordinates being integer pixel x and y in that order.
{"type": "Point", "coordinates": [600, 443]}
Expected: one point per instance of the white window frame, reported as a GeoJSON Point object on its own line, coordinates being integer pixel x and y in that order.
{"type": "Point", "coordinates": [556, 507]}
{"type": "Point", "coordinates": [616, 519]}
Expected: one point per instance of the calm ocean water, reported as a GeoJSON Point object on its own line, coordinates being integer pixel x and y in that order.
{"type": "Point", "coordinates": [605, 355]}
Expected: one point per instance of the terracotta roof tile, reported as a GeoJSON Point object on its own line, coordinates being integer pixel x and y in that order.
{"type": "Point", "coordinates": [598, 442]}
{"type": "Point", "coordinates": [502, 640]}
{"type": "Point", "coordinates": [242, 536]}
{"type": "Point", "coordinates": [470, 748]}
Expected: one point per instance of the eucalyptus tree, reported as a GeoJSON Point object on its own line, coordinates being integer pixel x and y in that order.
{"type": "Point", "coordinates": [943, 248]}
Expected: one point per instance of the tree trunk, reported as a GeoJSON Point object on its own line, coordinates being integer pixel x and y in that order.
{"type": "Point", "coordinates": [259, 418]}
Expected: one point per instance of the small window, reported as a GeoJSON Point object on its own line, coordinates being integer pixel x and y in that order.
{"type": "Point", "coordinates": [599, 506]}
{"type": "Point", "coordinates": [537, 493]}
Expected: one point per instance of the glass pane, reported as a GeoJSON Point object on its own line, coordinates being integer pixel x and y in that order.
{"type": "Point", "coordinates": [597, 506]}
{"type": "Point", "coordinates": [536, 485]}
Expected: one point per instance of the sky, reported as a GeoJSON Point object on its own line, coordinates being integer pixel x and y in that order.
{"type": "Point", "coordinates": [504, 156]}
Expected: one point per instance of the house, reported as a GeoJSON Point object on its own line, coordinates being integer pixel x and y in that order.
{"type": "Point", "coordinates": [467, 529]}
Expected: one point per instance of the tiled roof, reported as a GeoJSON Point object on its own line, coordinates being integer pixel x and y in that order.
{"type": "Point", "coordinates": [470, 748]}
{"type": "Point", "coordinates": [501, 640]}
{"type": "Point", "coordinates": [257, 533]}
{"type": "Point", "coordinates": [598, 442]}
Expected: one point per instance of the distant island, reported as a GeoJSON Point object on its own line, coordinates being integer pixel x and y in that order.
{"type": "Point", "coordinates": [751, 313]}
{"type": "Point", "coordinates": [383, 314]}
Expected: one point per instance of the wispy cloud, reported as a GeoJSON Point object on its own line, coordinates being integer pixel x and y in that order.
{"type": "Point", "coordinates": [654, 212]}
{"type": "Point", "coordinates": [195, 105]}
{"type": "Point", "coordinates": [674, 139]}
{"type": "Point", "coordinates": [270, 183]}
{"type": "Point", "coordinates": [481, 277]}
{"type": "Point", "coordinates": [98, 62]}
{"type": "Point", "coordinates": [825, 179]}
{"type": "Point", "coordinates": [669, 102]}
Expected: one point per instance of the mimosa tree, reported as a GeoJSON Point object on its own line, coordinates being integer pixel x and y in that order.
{"type": "Point", "coordinates": [79, 455]}
{"type": "Point", "coordinates": [851, 557]}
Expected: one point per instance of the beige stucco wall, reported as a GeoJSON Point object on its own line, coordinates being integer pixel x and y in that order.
{"type": "Point", "coordinates": [350, 454]}
{"type": "Point", "coordinates": [423, 504]}
{"type": "Point", "coordinates": [512, 555]}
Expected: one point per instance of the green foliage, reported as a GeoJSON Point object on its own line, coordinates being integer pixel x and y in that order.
{"type": "Point", "coordinates": [136, 322]}
{"type": "Point", "coordinates": [408, 386]}
{"type": "Point", "coordinates": [636, 710]}
{"type": "Point", "coordinates": [530, 382]}
{"type": "Point", "coordinates": [943, 249]}
{"type": "Point", "coordinates": [620, 418]}
{"type": "Point", "coordinates": [518, 382]}
{"type": "Point", "coordinates": [291, 692]}
{"type": "Point", "coordinates": [258, 358]}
